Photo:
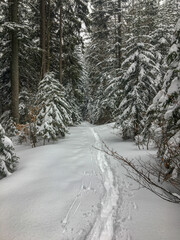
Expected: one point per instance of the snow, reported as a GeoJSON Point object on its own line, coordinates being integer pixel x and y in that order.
{"type": "Point", "coordinates": [161, 97]}
{"type": "Point", "coordinates": [70, 190]}
{"type": "Point", "coordinates": [7, 142]}
{"type": "Point", "coordinates": [103, 226]}
{"type": "Point", "coordinates": [177, 27]}
{"type": "Point", "coordinates": [168, 114]}
{"type": "Point", "coordinates": [174, 87]}
{"type": "Point", "coordinates": [3, 166]}
{"type": "Point", "coordinates": [174, 48]}
{"type": "Point", "coordinates": [163, 41]}
{"type": "Point", "coordinates": [177, 195]}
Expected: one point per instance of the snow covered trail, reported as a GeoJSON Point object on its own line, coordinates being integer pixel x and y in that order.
{"type": "Point", "coordinates": [70, 190]}
{"type": "Point", "coordinates": [55, 193]}
{"type": "Point", "coordinates": [103, 228]}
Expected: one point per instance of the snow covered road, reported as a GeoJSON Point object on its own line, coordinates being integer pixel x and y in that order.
{"type": "Point", "coordinates": [71, 191]}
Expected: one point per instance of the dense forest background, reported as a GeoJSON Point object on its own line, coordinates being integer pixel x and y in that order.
{"type": "Point", "coordinates": [62, 62]}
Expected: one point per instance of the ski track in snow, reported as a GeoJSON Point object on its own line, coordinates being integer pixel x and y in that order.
{"type": "Point", "coordinates": [103, 227]}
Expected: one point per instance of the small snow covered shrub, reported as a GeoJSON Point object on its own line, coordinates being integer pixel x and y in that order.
{"type": "Point", "coordinates": [54, 113]}
{"type": "Point", "coordinates": [8, 158]}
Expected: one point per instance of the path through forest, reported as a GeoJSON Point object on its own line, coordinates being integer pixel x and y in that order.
{"type": "Point", "coordinates": [71, 191]}
{"type": "Point", "coordinates": [57, 190]}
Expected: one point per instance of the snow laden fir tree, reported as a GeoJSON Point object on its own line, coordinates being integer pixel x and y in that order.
{"type": "Point", "coordinates": [54, 113]}
{"type": "Point", "coordinates": [8, 158]}
{"type": "Point", "coordinates": [163, 116]}
{"type": "Point", "coordinates": [139, 87]}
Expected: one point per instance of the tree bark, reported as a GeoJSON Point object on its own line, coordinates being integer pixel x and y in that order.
{"type": "Point", "coordinates": [48, 36]}
{"type": "Point", "coordinates": [43, 37]}
{"type": "Point", "coordinates": [60, 43]}
{"type": "Point", "coordinates": [119, 34]}
{"type": "Point", "coordinates": [13, 9]}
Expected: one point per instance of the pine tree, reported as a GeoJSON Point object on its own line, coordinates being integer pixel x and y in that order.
{"type": "Point", "coordinates": [98, 63]}
{"type": "Point", "coordinates": [163, 115]}
{"type": "Point", "coordinates": [28, 51]}
{"type": "Point", "coordinates": [54, 114]}
{"type": "Point", "coordinates": [29, 47]}
{"type": "Point", "coordinates": [118, 27]}
{"type": "Point", "coordinates": [162, 35]}
{"type": "Point", "coordinates": [171, 87]}
{"type": "Point", "coordinates": [5, 48]}
{"type": "Point", "coordinates": [8, 158]}
{"type": "Point", "coordinates": [63, 46]}
{"type": "Point", "coordinates": [137, 81]}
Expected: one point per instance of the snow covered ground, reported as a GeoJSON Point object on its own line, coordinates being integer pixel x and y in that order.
{"type": "Point", "coordinates": [71, 191]}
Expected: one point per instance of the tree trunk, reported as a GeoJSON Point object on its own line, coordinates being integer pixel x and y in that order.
{"type": "Point", "coordinates": [48, 36]}
{"type": "Point", "coordinates": [119, 34]}
{"type": "Point", "coordinates": [60, 43]}
{"type": "Point", "coordinates": [13, 9]}
{"type": "Point", "coordinates": [43, 37]}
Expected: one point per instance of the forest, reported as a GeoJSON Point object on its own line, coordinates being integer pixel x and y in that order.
{"type": "Point", "coordinates": [96, 62]}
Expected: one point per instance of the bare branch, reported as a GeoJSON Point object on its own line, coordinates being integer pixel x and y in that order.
{"type": "Point", "coordinates": [146, 175]}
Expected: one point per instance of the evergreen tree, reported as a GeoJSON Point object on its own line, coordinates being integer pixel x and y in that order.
{"type": "Point", "coordinates": [172, 86]}
{"type": "Point", "coordinates": [63, 46]}
{"type": "Point", "coordinates": [98, 63]}
{"type": "Point", "coordinates": [54, 114]}
{"type": "Point", "coordinates": [8, 158]}
{"type": "Point", "coordinates": [29, 47]}
{"type": "Point", "coordinates": [162, 35]}
{"type": "Point", "coordinates": [8, 124]}
{"type": "Point", "coordinates": [164, 114]}
{"type": "Point", "coordinates": [5, 47]}
{"type": "Point", "coordinates": [28, 50]}
{"type": "Point", "coordinates": [137, 81]}
{"type": "Point", "coordinates": [167, 100]}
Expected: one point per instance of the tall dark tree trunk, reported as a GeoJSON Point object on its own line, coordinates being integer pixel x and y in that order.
{"type": "Point", "coordinates": [60, 43]}
{"type": "Point", "coordinates": [13, 9]}
{"type": "Point", "coordinates": [43, 37]}
{"type": "Point", "coordinates": [48, 36]}
{"type": "Point", "coordinates": [119, 53]}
